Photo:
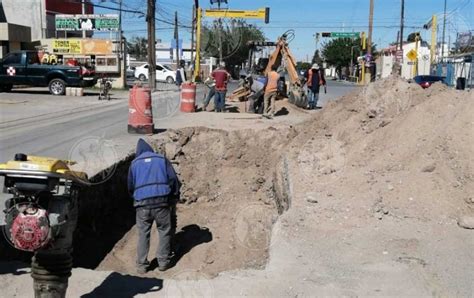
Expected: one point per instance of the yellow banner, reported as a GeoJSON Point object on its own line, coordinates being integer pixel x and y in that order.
{"type": "Point", "coordinates": [67, 46]}
{"type": "Point", "coordinates": [243, 14]}
{"type": "Point", "coordinates": [97, 47]}
{"type": "Point", "coordinates": [83, 46]}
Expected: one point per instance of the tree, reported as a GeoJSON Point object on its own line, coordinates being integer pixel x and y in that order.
{"type": "Point", "coordinates": [235, 37]}
{"type": "Point", "coordinates": [411, 37]}
{"type": "Point", "coordinates": [137, 47]}
{"type": "Point", "coordinates": [337, 52]}
{"type": "Point", "coordinates": [317, 58]}
{"type": "Point", "coordinates": [302, 65]}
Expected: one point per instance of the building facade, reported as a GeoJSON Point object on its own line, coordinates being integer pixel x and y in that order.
{"type": "Point", "coordinates": [27, 21]}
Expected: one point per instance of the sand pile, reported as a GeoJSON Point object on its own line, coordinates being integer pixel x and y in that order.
{"type": "Point", "coordinates": [389, 149]}
{"type": "Point", "coordinates": [399, 149]}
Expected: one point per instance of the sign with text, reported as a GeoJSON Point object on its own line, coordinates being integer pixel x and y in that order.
{"type": "Point", "coordinates": [82, 46]}
{"type": "Point", "coordinates": [92, 22]}
{"type": "Point", "coordinates": [261, 13]}
{"type": "Point", "coordinates": [67, 46]}
{"type": "Point", "coordinates": [345, 34]}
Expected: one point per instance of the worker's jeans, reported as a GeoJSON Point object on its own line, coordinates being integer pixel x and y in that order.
{"type": "Point", "coordinates": [145, 218]}
{"type": "Point", "coordinates": [210, 94]}
{"type": "Point", "coordinates": [219, 101]}
{"type": "Point", "coordinates": [313, 98]}
{"type": "Point", "coordinates": [269, 103]}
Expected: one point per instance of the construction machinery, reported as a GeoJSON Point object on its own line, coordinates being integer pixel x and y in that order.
{"type": "Point", "coordinates": [281, 57]}
{"type": "Point", "coordinates": [41, 217]}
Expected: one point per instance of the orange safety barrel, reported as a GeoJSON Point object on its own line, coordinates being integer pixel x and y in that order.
{"type": "Point", "coordinates": [140, 117]}
{"type": "Point", "coordinates": [188, 97]}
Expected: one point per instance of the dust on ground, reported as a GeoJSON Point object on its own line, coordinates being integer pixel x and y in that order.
{"type": "Point", "coordinates": [390, 163]}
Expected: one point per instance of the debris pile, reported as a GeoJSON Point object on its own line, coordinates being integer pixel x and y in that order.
{"type": "Point", "coordinates": [390, 149]}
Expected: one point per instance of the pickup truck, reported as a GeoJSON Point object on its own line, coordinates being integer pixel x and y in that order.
{"type": "Point", "coordinates": [25, 68]}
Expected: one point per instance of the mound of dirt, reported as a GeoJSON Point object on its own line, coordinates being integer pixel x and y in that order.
{"type": "Point", "coordinates": [398, 148]}
{"type": "Point", "coordinates": [388, 149]}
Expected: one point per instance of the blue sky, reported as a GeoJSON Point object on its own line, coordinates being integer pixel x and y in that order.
{"type": "Point", "coordinates": [307, 17]}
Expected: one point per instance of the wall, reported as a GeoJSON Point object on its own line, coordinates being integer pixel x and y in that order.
{"type": "Point", "coordinates": [164, 52]}
{"type": "Point", "coordinates": [39, 14]}
{"type": "Point", "coordinates": [423, 61]}
{"type": "Point", "coordinates": [386, 64]}
{"type": "Point", "coordinates": [29, 13]}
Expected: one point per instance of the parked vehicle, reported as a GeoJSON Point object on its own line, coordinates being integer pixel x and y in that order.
{"type": "Point", "coordinates": [130, 72]}
{"type": "Point", "coordinates": [427, 81]}
{"type": "Point", "coordinates": [25, 68]}
{"type": "Point", "coordinates": [163, 73]}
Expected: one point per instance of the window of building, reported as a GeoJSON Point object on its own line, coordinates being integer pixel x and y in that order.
{"type": "Point", "coordinates": [111, 61]}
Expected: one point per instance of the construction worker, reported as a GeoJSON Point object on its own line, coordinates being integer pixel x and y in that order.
{"type": "Point", "coordinates": [155, 187]}
{"type": "Point", "coordinates": [315, 79]}
{"type": "Point", "coordinates": [270, 93]}
{"type": "Point", "coordinates": [180, 73]}
{"type": "Point", "coordinates": [222, 77]}
{"type": "Point", "coordinates": [211, 85]}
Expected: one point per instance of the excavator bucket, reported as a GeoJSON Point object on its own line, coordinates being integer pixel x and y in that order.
{"type": "Point", "coordinates": [298, 97]}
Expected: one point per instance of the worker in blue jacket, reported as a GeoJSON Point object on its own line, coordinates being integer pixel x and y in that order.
{"type": "Point", "coordinates": [155, 188]}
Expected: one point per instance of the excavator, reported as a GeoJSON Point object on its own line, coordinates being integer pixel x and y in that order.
{"type": "Point", "coordinates": [281, 56]}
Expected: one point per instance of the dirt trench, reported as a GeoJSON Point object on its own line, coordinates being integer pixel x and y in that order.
{"type": "Point", "coordinates": [234, 187]}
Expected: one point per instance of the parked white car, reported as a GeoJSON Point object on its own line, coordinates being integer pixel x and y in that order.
{"type": "Point", "coordinates": [163, 73]}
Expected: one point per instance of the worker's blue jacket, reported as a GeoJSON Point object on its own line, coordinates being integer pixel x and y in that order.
{"type": "Point", "coordinates": [151, 178]}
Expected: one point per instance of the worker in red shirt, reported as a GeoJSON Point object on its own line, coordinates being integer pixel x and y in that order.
{"type": "Point", "coordinates": [270, 93]}
{"type": "Point", "coordinates": [221, 76]}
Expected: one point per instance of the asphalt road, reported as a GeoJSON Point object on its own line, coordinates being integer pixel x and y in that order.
{"type": "Point", "coordinates": [76, 128]}
{"type": "Point", "coordinates": [37, 123]}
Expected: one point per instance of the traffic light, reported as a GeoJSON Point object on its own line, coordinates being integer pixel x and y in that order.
{"type": "Point", "coordinates": [267, 15]}
{"type": "Point", "coordinates": [326, 34]}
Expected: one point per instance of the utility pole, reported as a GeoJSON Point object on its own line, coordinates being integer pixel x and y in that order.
{"type": "Point", "coordinates": [176, 38]}
{"type": "Point", "coordinates": [150, 18]}
{"type": "Point", "coordinates": [219, 33]}
{"type": "Point", "coordinates": [197, 63]}
{"type": "Point", "coordinates": [369, 41]}
{"type": "Point", "coordinates": [83, 12]}
{"type": "Point", "coordinates": [402, 16]}
{"type": "Point", "coordinates": [193, 26]}
{"type": "Point", "coordinates": [122, 52]}
{"type": "Point", "coordinates": [444, 30]}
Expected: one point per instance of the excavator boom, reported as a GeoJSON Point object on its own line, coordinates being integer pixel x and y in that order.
{"type": "Point", "coordinates": [282, 56]}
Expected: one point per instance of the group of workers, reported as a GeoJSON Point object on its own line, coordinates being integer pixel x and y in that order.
{"type": "Point", "coordinates": [263, 90]}
{"type": "Point", "coordinates": [152, 180]}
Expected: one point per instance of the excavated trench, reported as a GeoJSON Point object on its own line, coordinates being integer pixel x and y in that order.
{"type": "Point", "coordinates": [235, 184]}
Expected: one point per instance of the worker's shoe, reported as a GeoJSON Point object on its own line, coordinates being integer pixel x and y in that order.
{"type": "Point", "coordinates": [142, 269]}
{"type": "Point", "coordinates": [164, 266]}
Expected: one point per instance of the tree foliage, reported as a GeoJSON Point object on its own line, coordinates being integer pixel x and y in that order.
{"type": "Point", "coordinates": [302, 65]}
{"type": "Point", "coordinates": [337, 52]}
{"type": "Point", "coordinates": [137, 47]}
{"type": "Point", "coordinates": [235, 36]}
{"type": "Point", "coordinates": [411, 37]}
